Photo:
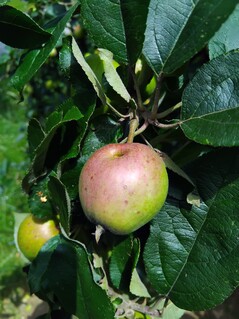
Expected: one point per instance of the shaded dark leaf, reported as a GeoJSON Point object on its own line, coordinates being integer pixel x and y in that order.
{"type": "Point", "coordinates": [18, 30]}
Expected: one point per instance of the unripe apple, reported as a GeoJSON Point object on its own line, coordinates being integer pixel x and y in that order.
{"type": "Point", "coordinates": [33, 233]}
{"type": "Point", "coordinates": [123, 186]}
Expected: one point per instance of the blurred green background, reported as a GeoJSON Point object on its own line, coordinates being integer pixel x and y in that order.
{"type": "Point", "coordinates": [13, 163]}
{"type": "Point", "coordinates": [40, 96]}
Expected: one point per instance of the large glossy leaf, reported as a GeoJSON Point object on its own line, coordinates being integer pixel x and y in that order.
{"type": "Point", "coordinates": [34, 59]}
{"type": "Point", "coordinates": [192, 253]}
{"type": "Point", "coordinates": [62, 270]}
{"type": "Point", "coordinates": [226, 38]}
{"type": "Point", "coordinates": [178, 29]}
{"type": "Point", "coordinates": [19, 30]}
{"type": "Point", "coordinates": [122, 32]}
{"type": "Point", "coordinates": [134, 13]}
{"type": "Point", "coordinates": [210, 111]}
{"type": "Point", "coordinates": [103, 20]}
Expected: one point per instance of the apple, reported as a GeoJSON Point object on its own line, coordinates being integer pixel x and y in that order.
{"type": "Point", "coordinates": [123, 186]}
{"type": "Point", "coordinates": [33, 233]}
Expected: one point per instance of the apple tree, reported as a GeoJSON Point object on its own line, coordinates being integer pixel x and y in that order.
{"type": "Point", "coordinates": [160, 73]}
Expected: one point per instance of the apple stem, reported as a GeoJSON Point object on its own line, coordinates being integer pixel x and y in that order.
{"type": "Point", "coordinates": [137, 132]}
{"type": "Point", "coordinates": [165, 126]}
{"type": "Point", "coordinates": [134, 123]}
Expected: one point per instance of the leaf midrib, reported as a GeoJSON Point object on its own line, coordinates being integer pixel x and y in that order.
{"type": "Point", "coordinates": [203, 116]}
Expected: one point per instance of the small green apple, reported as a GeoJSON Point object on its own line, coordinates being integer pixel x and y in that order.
{"type": "Point", "coordinates": [33, 233]}
{"type": "Point", "coordinates": [123, 186]}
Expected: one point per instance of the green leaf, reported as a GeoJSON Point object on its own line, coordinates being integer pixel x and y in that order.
{"type": "Point", "coordinates": [170, 311]}
{"type": "Point", "coordinates": [35, 135]}
{"type": "Point", "coordinates": [121, 264]}
{"type": "Point", "coordinates": [65, 57]}
{"type": "Point", "coordinates": [170, 164]}
{"type": "Point", "coordinates": [134, 13]}
{"type": "Point", "coordinates": [178, 29]}
{"type": "Point", "coordinates": [123, 272]}
{"type": "Point", "coordinates": [137, 287]}
{"type": "Point", "coordinates": [122, 33]}
{"type": "Point", "coordinates": [88, 71]}
{"type": "Point", "coordinates": [53, 119]}
{"type": "Point", "coordinates": [226, 38]}
{"type": "Point", "coordinates": [96, 65]}
{"type": "Point", "coordinates": [52, 147]}
{"type": "Point", "coordinates": [65, 130]}
{"type": "Point", "coordinates": [18, 30]}
{"type": "Point", "coordinates": [85, 102]}
{"type": "Point", "coordinates": [104, 130]}
{"type": "Point", "coordinates": [72, 114]}
{"type": "Point", "coordinates": [62, 270]}
{"type": "Point", "coordinates": [70, 67]}
{"type": "Point", "coordinates": [61, 201]}
{"type": "Point", "coordinates": [210, 109]}
{"type": "Point", "coordinates": [193, 251]}
{"type": "Point", "coordinates": [76, 114]}
{"type": "Point", "coordinates": [112, 76]}
{"type": "Point", "coordinates": [103, 20]}
{"type": "Point", "coordinates": [34, 59]}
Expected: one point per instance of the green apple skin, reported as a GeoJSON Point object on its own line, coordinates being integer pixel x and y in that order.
{"type": "Point", "coordinates": [123, 186]}
{"type": "Point", "coordinates": [33, 233]}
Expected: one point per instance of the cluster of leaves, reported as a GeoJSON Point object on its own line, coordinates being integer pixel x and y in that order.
{"type": "Point", "coordinates": [164, 73]}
